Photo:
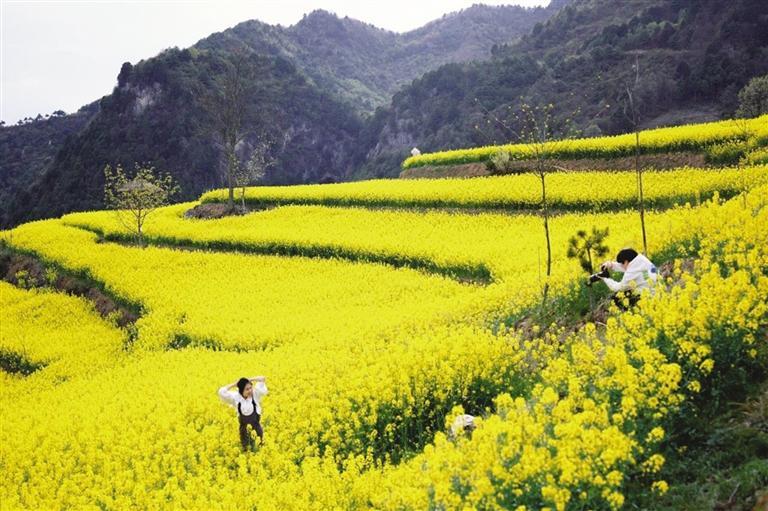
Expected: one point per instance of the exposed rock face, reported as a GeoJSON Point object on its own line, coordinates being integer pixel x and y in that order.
{"type": "Point", "coordinates": [315, 84]}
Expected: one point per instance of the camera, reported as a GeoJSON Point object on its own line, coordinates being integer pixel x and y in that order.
{"type": "Point", "coordinates": [597, 276]}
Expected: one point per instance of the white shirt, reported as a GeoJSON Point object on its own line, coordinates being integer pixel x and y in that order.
{"type": "Point", "coordinates": [640, 274]}
{"type": "Point", "coordinates": [233, 398]}
{"type": "Point", "coordinates": [461, 423]}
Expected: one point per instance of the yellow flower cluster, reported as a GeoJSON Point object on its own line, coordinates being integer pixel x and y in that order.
{"type": "Point", "coordinates": [502, 247]}
{"type": "Point", "coordinates": [690, 137]}
{"type": "Point", "coordinates": [242, 301]}
{"type": "Point", "coordinates": [565, 190]}
{"type": "Point", "coordinates": [64, 334]}
{"type": "Point", "coordinates": [152, 431]}
{"type": "Point", "coordinates": [595, 415]}
{"type": "Point", "coordinates": [366, 363]}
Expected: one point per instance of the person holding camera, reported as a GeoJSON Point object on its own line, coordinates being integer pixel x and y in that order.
{"type": "Point", "coordinates": [247, 401]}
{"type": "Point", "coordinates": [640, 274]}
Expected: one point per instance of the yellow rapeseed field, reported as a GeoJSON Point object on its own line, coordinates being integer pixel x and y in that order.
{"type": "Point", "coordinates": [62, 332]}
{"type": "Point", "coordinates": [244, 301]}
{"type": "Point", "coordinates": [600, 406]}
{"type": "Point", "coordinates": [573, 191]}
{"type": "Point", "coordinates": [501, 247]}
{"type": "Point", "coordinates": [379, 329]}
{"type": "Point", "coordinates": [689, 137]}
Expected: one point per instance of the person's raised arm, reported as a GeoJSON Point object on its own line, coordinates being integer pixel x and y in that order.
{"type": "Point", "coordinates": [625, 283]}
{"type": "Point", "coordinates": [225, 394]}
{"type": "Point", "coordinates": [259, 385]}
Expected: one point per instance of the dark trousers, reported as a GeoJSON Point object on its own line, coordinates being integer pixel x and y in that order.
{"type": "Point", "coordinates": [254, 420]}
{"type": "Point", "coordinates": [624, 298]}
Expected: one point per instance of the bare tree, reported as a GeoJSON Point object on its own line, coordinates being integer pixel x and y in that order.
{"type": "Point", "coordinates": [135, 198]}
{"type": "Point", "coordinates": [546, 138]}
{"type": "Point", "coordinates": [255, 169]}
{"type": "Point", "coordinates": [632, 112]}
{"type": "Point", "coordinates": [227, 107]}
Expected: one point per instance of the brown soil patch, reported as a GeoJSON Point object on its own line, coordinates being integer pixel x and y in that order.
{"type": "Point", "coordinates": [29, 272]}
{"type": "Point", "coordinates": [648, 161]}
{"type": "Point", "coordinates": [213, 210]}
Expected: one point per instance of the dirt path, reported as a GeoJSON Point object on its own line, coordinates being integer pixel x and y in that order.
{"type": "Point", "coordinates": [27, 271]}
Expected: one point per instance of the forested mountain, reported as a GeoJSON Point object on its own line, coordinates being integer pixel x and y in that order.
{"type": "Point", "coordinates": [28, 149]}
{"type": "Point", "coordinates": [314, 85]}
{"type": "Point", "coordinates": [693, 55]}
{"type": "Point", "coordinates": [155, 115]}
{"type": "Point", "coordinates": [342, 99]}
{"type": "Point", "coordinates": [366, 65]}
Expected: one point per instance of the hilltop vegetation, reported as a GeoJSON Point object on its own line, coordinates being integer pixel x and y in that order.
{"type": "Point", "coordinates": [314, 83]}
{"type": "Point", "coordinates": [26, 151]}
{"type": "Point", "coordinates": [318, 81]}
{"type": "Point", "coordinates": [694, 58]}
{"type": "Point", "coordinates": [364, 65]}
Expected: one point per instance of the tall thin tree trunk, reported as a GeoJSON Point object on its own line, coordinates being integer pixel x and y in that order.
{"type": "Point", "coordinates": [638, 170]}
{"type": "Point", "coordinates": [231, 186]}
{"type": "Point", "coordinates": [231, 174]}
{"type": "Point", "coordinates": [591, 270]}
{"type": "Point", "coordinates": [640, 188]}
{"type": "Point", "coordinates": [546, 229]}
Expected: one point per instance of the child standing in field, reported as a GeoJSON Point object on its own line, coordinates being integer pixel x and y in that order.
{"type": "Point", "coordinates": [247, 401]}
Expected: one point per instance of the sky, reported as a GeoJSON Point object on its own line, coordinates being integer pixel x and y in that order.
{"type": "Point", "coordinates": [63, 54]}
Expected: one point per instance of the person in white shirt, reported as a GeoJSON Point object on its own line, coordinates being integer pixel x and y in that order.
{"type": "Point", "coordinates": [463, 424]}
{"type": "Point", "coordinates": [640, 274]}
{"type": "Point", "coordinates": [247, 402]}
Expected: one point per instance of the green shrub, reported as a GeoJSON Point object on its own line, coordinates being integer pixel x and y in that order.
{"type": "Point", "coordinates": [726, 153]}
{"type": "Point", "coordinates": [501, 163]}
{"type": "Point", "coordinates": [756, 157]}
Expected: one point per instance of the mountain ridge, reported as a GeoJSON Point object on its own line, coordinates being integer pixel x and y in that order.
{"type": "Point", "coordinates": [694, 57]}
{"type": "Point", "coordinates": [341, 117]}
{"type": "Point", "coordinates": [324, 88]}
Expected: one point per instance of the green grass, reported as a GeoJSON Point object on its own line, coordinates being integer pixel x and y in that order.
{"type": "Point", "coordinates": [717, 447]}
{"type": "Point", "coordinates": [721, 462]}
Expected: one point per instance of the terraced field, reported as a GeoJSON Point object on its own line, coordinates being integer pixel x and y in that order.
{"type": "Point", "coordinates": [379, 311]}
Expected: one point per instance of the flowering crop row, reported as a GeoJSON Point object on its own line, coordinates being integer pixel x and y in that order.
{"type": "Point", "coordinates": [504, 247]}
{"type": "Point", "coordinates": [565, 191]}
{"type": "Point", "coordinates": [597, 414]}
{"type": "Point", "coordinates": [240, 301]}
{"type": "Point", "coordinates": [62, 333]}
{"type": "Point", "coordinates": [690, 137]}
{"type": "Point", "coordinates": [366, 361]}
